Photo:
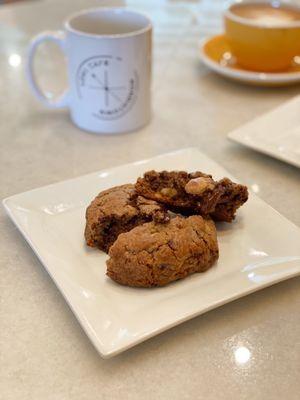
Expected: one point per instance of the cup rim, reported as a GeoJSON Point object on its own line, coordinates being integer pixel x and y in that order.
{"type": "Point", "coordinates": [245, 21]}
{"type": "Point", "coordinates": [70, 28]}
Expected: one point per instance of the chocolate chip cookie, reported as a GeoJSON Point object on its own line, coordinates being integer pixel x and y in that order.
{"type": "Point", "coordinates": [193, 193]}
{"type": "Point", "coordinates": [156, 254]}
{"type": "Point", "coordinates": [118, 210]}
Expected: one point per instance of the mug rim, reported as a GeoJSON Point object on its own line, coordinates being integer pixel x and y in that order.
{"type": "Point", "coordinates": [69, 28]}
{"type": "Point", "coordinates": [266, 25]}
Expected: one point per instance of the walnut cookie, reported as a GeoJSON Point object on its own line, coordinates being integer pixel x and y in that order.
{"type": "Point", "coordinates": [157, 254]}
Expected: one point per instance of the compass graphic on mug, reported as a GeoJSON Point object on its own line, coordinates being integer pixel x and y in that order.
{"type": "Point", "coordinates": [109, 86]}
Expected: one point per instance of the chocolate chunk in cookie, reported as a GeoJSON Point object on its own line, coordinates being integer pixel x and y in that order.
{"type": "Point", "coordinates": [156, 254]}
{"type": "Point", "coordinates": [193, 193]}
{"type": "Point", "coordinates": [118, 210]}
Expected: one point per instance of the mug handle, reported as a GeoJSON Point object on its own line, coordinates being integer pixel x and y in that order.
{"type": "Point", "coordinates": [59, 38]}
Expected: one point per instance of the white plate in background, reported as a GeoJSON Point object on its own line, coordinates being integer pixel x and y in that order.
{"type": "Point", "coordinates": [276, 133]}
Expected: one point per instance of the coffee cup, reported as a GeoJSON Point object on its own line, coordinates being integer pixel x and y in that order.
{"type": "Point", "coordinates": [263, 35]}
{"type": "Point", "coordinates": [108, 52]}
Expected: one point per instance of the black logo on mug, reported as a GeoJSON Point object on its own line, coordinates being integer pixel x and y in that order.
{"type": "Point", "coordinates": [108, 85]}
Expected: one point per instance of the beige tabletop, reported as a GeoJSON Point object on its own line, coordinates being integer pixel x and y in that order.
{"type": "Point", "coordinates": [44, 354]}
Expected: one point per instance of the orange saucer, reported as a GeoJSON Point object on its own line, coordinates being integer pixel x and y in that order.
{"type": "Point", "coordinates": [215, 54]}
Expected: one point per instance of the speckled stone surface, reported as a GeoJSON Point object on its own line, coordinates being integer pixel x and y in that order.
{"type": "Point", "coordinates": [249, 349]}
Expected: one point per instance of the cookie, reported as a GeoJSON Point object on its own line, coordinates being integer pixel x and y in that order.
{"type": "Point", "coordinates": [156, 254]}
{"type": "Point", "coordinates": [193, 193]}
{"type": "Point", "coordinates": [118, 210]}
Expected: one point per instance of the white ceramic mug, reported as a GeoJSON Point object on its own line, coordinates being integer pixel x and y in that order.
{"type": "Point", "coordinates": [108, 53]}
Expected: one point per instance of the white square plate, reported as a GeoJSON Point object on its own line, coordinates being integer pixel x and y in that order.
{"type": "Point", "coordinates": [259, 249]}
{"type": "Point", "coordinates": [276, 133]}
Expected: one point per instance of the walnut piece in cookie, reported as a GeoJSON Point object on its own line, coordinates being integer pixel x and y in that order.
{"type": "Point", "coordinates": [193, 193]}
{"type": "Point", "coordinates": [118, 210]}
{"type": "Point", "coordinates": [199, 185]}
{"type": "Point", "coordinates": [157, 254]}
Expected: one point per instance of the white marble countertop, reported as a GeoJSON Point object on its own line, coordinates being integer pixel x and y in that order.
{"type": "Point", "coordinates": [43, 351]}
